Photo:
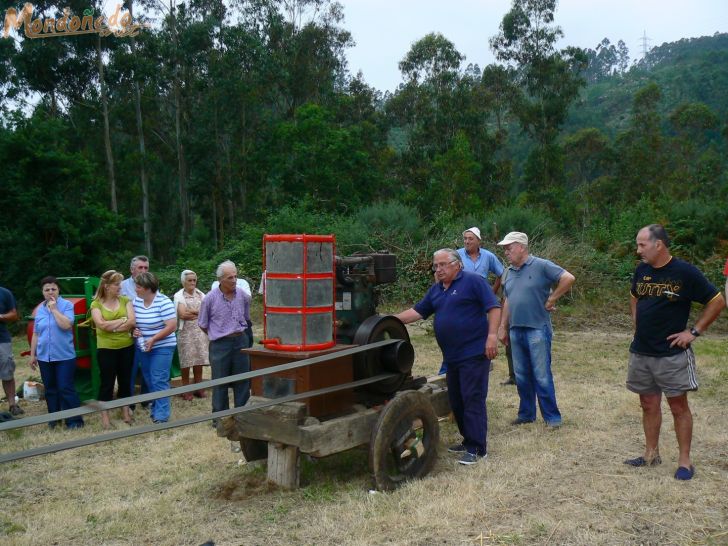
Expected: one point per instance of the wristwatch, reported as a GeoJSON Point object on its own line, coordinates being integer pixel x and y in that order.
{"type": "Point", "coordinates": [695, 331]}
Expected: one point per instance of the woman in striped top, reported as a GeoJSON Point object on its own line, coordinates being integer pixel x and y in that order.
{"type": "Point", "coordinates": [156, 321]}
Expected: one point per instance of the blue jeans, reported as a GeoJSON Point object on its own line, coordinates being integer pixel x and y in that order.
{"type": "Point", "coordinates": [467, 390]}
{"type": "Point", "coordinates": [135, 370]}
{"type": "Point", "coordinates": [226, 360]}
{"type": "Point", "coordinates": [60, 392]}
{"type": "Point", "coordinates": [531, 348]}
{"type": "Point", "coordinates": [156, 365]}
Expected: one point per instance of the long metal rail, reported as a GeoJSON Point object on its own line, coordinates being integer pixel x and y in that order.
{"type": "Point", "coordinates": [99, 406]}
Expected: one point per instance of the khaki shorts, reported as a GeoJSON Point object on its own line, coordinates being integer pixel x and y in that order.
{"type": "Point", "coordinates": [7, 364]}
{"type": "Point", "coordinates": [673, 375]}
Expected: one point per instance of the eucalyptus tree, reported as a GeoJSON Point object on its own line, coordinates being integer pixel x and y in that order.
{"type": "Point", "coordinates": [66, 72]}
{"type": "Point", "coordinates": [643, 165]}
{"type": "Point", "coordinates": [447, 114]}
{"type": "Point", "coordinates": [58, 220]}
{"type": "Point", "coordinates": [547, 82]}
{"type": "Point", "coordinates": [695, 156]}
{"type": "Point", "coordinates": [431, 73]}
{"type": "Point", "coordinates": [589, 173]}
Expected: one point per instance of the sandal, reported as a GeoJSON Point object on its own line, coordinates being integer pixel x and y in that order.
{"type": "Point", "coordinates": [684, 474]}
{"type": "Point", "coordinates": [641, 461]}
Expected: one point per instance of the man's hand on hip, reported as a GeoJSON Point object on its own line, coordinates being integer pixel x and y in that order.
{"type": "Point", "coordinates": [681, 339]}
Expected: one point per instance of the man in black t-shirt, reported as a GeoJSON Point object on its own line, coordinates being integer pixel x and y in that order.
{"type": "Point", "coordinates": [661, 359]}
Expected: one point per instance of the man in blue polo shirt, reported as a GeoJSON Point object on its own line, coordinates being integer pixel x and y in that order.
{"type": "Point", "coordinates": [478, 260]}
{"type": "Point", "coordinates": [466, 322]}
{"type": "Point", "coordinates": [526, 325]}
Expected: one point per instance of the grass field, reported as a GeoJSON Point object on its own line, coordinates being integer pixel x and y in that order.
{"type": "Point", "coordinates": [538, 486]}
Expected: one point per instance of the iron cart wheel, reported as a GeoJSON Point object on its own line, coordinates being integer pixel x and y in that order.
{"type": "Point", "coordinates": [404, 441]}
{"type": "Point", "coordinates": [397, 358]}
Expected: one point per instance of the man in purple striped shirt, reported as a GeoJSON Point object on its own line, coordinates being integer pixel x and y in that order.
{"type": "Point", "coordinates": [225, 318]}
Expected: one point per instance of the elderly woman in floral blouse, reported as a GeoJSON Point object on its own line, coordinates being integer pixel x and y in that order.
{"type": "Point", "coordinates": [192, 342]}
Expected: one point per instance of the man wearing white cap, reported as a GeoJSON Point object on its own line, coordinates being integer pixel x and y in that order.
{"type": "Point", "coordinates": [478, 260]}
{"type": "Point", "coordinates": [526, 325]}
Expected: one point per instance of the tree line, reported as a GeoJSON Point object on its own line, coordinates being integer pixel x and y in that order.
{"type": "Point", "coordinates": [222, 119]}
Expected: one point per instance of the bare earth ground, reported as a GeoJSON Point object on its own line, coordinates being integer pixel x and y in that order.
{"type": "Point", "coordinates": [538, 486]}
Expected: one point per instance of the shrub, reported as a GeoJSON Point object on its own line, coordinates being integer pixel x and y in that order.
{"type": "Point", "coordinates": [534, 222]}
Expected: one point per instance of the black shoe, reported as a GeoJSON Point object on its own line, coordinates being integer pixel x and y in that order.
{"type": "Point", "coordinates": [457, 448]}
{"type": "Point", "coordinates": [554, 426]}
{"type": "Point", "coordinates": [471, 458]}
{"type": "Point", "coordinates": [509, 381]}
{"type": "Point", "coordinates": [16, 410]}
{"type": "Point", "coordinates": [521, 422]}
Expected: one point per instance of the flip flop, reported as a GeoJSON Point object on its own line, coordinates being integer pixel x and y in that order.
{"type": "Point", "coordinates": [684, 474]}
{"type": "Point", "coordinates": [641, 461]}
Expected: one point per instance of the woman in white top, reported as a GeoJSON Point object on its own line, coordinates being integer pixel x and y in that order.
{"type": "Point", "coordinates": [156, 321]}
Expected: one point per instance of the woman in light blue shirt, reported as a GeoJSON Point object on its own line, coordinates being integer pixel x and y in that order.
{"type": "Point", "coordinates": [51, 349]}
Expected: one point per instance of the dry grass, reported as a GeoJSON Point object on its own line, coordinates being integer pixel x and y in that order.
{"type": "Point", "coordinates": [537, 487]}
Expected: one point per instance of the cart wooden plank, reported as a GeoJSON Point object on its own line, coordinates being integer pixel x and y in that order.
{"type": "Point", "coordinates": [289, 430]}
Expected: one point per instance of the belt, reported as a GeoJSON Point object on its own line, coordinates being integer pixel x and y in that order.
{"type": "Point", "coordinates": [234, 334]}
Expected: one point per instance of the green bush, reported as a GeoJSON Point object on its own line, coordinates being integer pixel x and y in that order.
{"type": "Point", "coordinates": [534, 222]}
{"type": "Point", "coordinates": [602, 257]}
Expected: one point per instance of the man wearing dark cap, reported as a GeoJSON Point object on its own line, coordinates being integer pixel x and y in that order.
{"type": "Point", "coordinates": [661, 358]}
{"type": "Point", "coordinates": [531, 289]}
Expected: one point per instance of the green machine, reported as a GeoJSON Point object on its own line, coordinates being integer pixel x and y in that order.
{"type": "Point", "coordinates": [80, 291]}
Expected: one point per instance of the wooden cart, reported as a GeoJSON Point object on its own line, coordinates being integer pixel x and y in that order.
{"type": "Point", "coordinates": [402, 433]}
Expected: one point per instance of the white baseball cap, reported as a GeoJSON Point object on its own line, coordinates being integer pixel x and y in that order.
{"type": "Point", "coordinates": [514, 237]}
{"type": "Point", "coordinates": [475, 231]}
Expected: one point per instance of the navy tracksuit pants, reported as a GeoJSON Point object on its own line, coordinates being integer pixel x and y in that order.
{"type": "Point", "coordinates": [467, 388]}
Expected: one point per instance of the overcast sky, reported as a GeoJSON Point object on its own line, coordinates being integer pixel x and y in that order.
{"type": "Point", "coordinates": [384, 30]}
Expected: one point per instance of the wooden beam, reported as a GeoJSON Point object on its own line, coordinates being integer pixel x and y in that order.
{"type": "Point", "coordinates": [283, 465]}
{"type": "Point", "coordinates": [275, 423]}
{"type": "Point", "coordinates": [338, 434]}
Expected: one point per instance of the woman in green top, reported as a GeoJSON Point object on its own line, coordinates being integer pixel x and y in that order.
{"type": "Point", "coordinates": [113, 316]}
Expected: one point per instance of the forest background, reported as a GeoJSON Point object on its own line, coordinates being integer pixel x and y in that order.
{"type": "Point", "coordinates": [225, 120]}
